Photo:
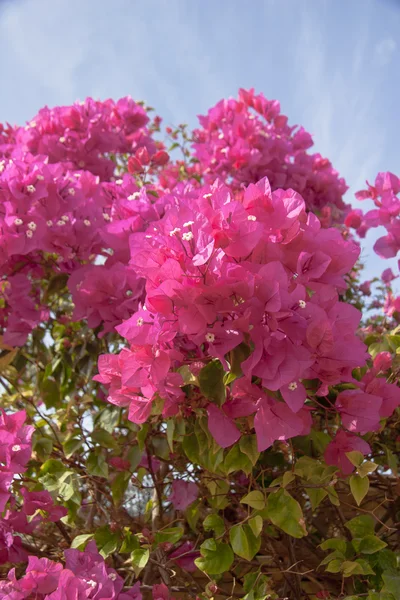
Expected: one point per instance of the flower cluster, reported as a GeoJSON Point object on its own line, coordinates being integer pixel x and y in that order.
{"type": "Point", "coordinates": [385, 197]}
{"type": "Point", "coordinates": [37, 506]}
{"type": "Point", "coordinates": [246, 139]}
{"type": "Point", "coordinates": [84, 576]}
{"type": "Point", "coordinates": [223, 274]}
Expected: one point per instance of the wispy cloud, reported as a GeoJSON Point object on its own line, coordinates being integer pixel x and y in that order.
{"type": "Point", "coordinates": [383, 52]}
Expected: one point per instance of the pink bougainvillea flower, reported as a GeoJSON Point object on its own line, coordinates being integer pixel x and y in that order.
{"type": "Point", "coordinates": [343, 442]}
{"type": "Point", "coordinates": [183, 494]}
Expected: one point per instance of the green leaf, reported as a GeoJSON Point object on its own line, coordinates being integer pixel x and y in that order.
{"type": "Point", "coordinates": [170, 433]}
{"type": "Point", "coordinates": [119, 486]}
{"type": "Point", "coordinates": [50, 393]}
{"type": "Point", "coordinates": [391, 579]}
{"type": "Point", "coordinates": [236, 460]}
{"type": "Point", "coordinates": [248, 445]}
{"type": "Point", "coordinates": [366, 468]}
{"type": "Point", "coordinates": [243, 541]}
{"type": "Point", "coordinates": [316, 495]}
{"type": "Point", "coordinates": [359, 488]}
{"type": "Point", "coordinates": [141, 435]}
{"type": "Point", "coordinates": [43, 447]}
{"type": "Point", "coordinates": [96, 465]}
{"type": "Point", "coordinates": [334, 544]}
{"type": "Point", "coordinates": [334, 566]}
{"type": "Point", "coordinates": [355, 457]}
{"type": "Point", "coordinates": [104, 438]}
{"type": "Point", "coordinates": [130, 542]}
{"type": "Point", "coordinates": [171, 535]}
{"type": "Point", "coordinates": [256, 524]}
{"type": "Point", "coordinates": [361, 526]}
{"type": "Point", "coordinates": [211, 382]}
{"type": "Point", "coordinates": [216, 558]}
{"type": "Point", "coordinates": [192, 514]}
{"type": "Point", "coordinates": [370, 544]}
{"type": "Point", "coordinates": [255, 499]}
{"type": "Point", "coordinates": [256, 587]}
{"type": "Point", "coordinates": [134, 455]}
{"type": "Point", "coordinates": [140, 558]}
{"type": "Point", "coordinates": [320, 440]}
{"type": "Point", "coordinates": [106, 540]}
{"type": "Point", "coordinates": [79, 542]}
{"type": "Point", "coordinates": [71, 446]}
{"type": "Point", "coordinates": [214, 523]}
{"type": "Point", "coordinates": [285, 512]}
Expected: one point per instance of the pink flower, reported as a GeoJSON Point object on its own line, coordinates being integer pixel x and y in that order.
{"type": "Point", "coordinates": [183, 494]}
{"type": "Point", "coordinates": [335, 453]}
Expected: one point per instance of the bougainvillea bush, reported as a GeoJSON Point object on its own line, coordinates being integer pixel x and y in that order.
{"type": "Point", "coordinates": [199, 392]}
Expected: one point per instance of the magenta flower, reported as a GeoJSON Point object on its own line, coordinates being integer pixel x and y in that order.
{"type": "Point", "coordinates": [183, 494]}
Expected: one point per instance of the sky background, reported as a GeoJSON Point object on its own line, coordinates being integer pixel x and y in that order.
{"type": "Point", "coordinates": [333, 64]}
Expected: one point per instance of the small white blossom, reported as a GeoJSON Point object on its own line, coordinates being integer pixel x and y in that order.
{"type": "Point", "coordinates": [29, 233]}
{"type": "Point", "coordinates": [140, 322]}
{"type": "Point", "coordinates": [87, 222]}
{"type": "Point", "coordinates": [65, 218]}
{"type": "Point", "coordinates": [210, 337]}
{"type": "Point", "coordinates": [207, 196]}
{"type": "Point", "coordinates": [188, 223]}
{"type": "Point", "coordinates": [292, 386]}
{"type": "Point", "coordinates": [62, 140]}
{"type": "Point", "coordinates": [71, 191]}
{"type": "Point", "coordinates": [77, 175]}
{"type": "Point", "coordinates": [49, 223]}
{"type": "Point", "coordinates": [119, 182]}
{"type": "Point", "coordinates": [302, 304]}
{"type": "Point", "coordinates": [149, 237]}
{"type": "Point", "coordinates": [32, 123]}
{"type": "Point", "coordinates": [252, 218]}
{"type": "Point", "coordinates": [128, 293]}
{"type": "Point", "coordinates": [224, 150]}
{"type": "Point", "coordinates": [112, 576]}
{"type": "Point", "coordinates": [187, 236]}
{"type": "Point", "coordinates": [31, 189]}
{"type": "Point", "coordinates": [16, 448]}
{"type": "Point", "coordinates": [2, 165]}
{"type": "Point", "coordinates": [60, 223]}
{"type": "Point", "coordinates": [133, 196]}
{"type": "Point", "coordinates": [174, 231]}
{"type": "Point", "coordinates": [32, 225]}
{"type": "Point", "coordinates": [221, 136]}
{"type": "Point", "coordinates": [106, 217]}
{"type": "Point", "coordinates": [18, 221]}
{"type": "Point", "coordinates": [39, 177]}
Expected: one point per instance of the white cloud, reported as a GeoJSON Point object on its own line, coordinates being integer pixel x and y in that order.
{"type": "Point", "coordinates": [384, 51]}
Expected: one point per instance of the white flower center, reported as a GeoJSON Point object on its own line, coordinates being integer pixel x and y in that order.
{"type": "Point", "coordinates": [119, 182]}
{"type": "Point", "coordinates": [210, 337]}
{"type": "Point", "coordinates": [49, 223]}
{"type": "Point", "coordinates": [18, 221]}
{"type": "Point", "coordinates": [252, 218]}
{"type": "Point", "coordinates": [187, 236]}
{"type": "Point", "coordinates": [62, 140]}
{"type": "Point", "coordinates": [133, 196]}
{"type": "Point", "coordinates": [87, 222]}
{"type": "Point", "coordinates": [29, 233]}
{"type": "Point", "coordinates": [207, 196]}
{"type": "Point", "coordinates": [292, 386]}
{"type": "Point", "coordinates": [16, 448]}
{"type": "Point", "coordinates": [174, 231]}
{"type": "Point", "coordinates": [65, 218]}
{"type": "Point", "coordinates": [188, 223]}
{"type": "Point", "coordinates": [30, 189]}
{"type": "Point", "coordinates": [71, 191]}
{"type": "Point", "coordinates": [302, 304]}
{"type": "Point", "coordinates": [32, 225]}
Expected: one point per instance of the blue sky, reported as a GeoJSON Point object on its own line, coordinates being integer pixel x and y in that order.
{"type": "Point", "coordinates": [333, 65]}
